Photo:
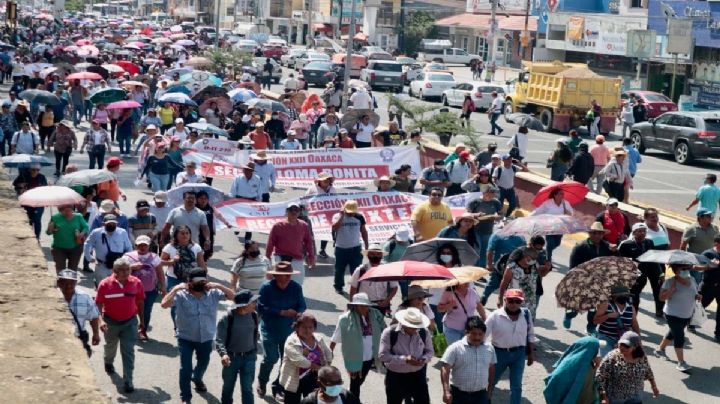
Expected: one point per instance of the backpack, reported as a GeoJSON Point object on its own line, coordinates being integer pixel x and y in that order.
{"type": "Point", "coordinates": [231, 320]}
{"type": "Point", "coordinates": [185, 264]}
{"type": "Point", "coordinates": [394, 337]}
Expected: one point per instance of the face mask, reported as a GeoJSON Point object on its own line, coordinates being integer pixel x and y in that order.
{"type": "Point", "coordinates": [374, 259]}
{"type": "Point", "coordinates": [685, 274]}
{"type": "Point", "coordinates": [198, 287]}
{"type": "Point", "coordinates": [622, 300]}
{"type": "Point", "coordinates": [333, 391]}
{"type": "Point", "coordinates": [254, 254]}
{"type": "Point", "coordinates": [274, 117]}
{"type": "Point", "coordinates": [446, 258]}
{"type": "Point", "coordinates": [110, 228]}
{"type": "Point", "coordinates": [532, 262]}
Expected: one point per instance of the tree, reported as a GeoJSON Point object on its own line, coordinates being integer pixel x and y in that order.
{"type": "Point", "coordinates": [75, 5]}
{"type": "Point", "coordinates": [229, 60]}
{"type": "Point", "coordinates": [417, 26]}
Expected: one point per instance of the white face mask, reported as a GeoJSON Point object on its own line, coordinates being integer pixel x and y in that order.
{"type": "Point", "coordinates": [446, 258]}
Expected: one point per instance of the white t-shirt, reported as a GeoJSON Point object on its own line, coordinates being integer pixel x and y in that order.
{"type": "Point", "coordinates": [172, 251]}
{"type": "Point", "coordinates": [497, 105]}
{"type": "Point", "coordinates": [289, 145]}
{"type": "Point", "coordinates": [361, 100]}
{"type": "Point", "coordinates": [185, 178]}
{"type": "Point", "coordinates": [364, 132]}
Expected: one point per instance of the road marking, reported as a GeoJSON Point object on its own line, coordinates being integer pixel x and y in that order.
{"type": "Point", "coordinates": [664, 184]}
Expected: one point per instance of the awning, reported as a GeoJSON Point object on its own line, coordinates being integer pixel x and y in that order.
{"type": "Point", "coordinates": [482, 21]}
{"type": "Point", "coordinates": [345, 28]}
{"type": "Point", "coordinates": [320, 27]}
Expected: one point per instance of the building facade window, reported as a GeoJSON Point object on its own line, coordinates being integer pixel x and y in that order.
{"type": "Point", "coordinates": [465, 42]}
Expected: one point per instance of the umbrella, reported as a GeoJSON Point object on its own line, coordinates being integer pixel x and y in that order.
{"type": "Point", "coordinates": [241, 95]}
{"type": "Point", "coordinates": [40, 96]}
{"type": "Point", "coordinates": [35, 67]}
{"type": "Point", "coordinates": [352, 116]}
{"type": "Point", "coordinates": [426, 251]}
{"type": "Point", "coordinates": [264, 103]}
{"type": "Point", "coordinates": [161, 40]}
{"type": "Point", "coordinates": [198, 61]}
{"type": "Point", "coordinates": [41, 48]}
{"type": "Point", "coordinates": [406, 270]}
{"type": "Point", "coordinates": [185, 42]}
{"type": "Point", "coordinates": [543, 225]}
{"type": "Point", "coordinates": [178, 89]}
{"type": "Point", "coordinates": [175, 195]}
{"type": "Point", "coordinates": [224, 104]}
{"type": "Point", "coordinates": [176, 28]}
{"type": "Point", "coordinates": [88, 50]}
{"type": "Point", "coordinates": [466, 274]}
{"type": "Point", "coordinates": [85, 178]}
{"type": "Point", "coordinates": [526, 120]}
{"type": "Point", "coordinates": [180, 70]}
{"type": "Point", "coordinates": [208, 127]}
{"type": "Point", "coordinates": [198, 80]}
{"type": "Point", "coordinates": [178, 98]}
{"type": "Point", "coordinates": [84, 76]}
{"type": "Point", "coordinates": [679, 257]}
{"type": "Point", "coordinates": [50, 195]}
{"type": "Point", "coordinates": [25, 160]}
{"type": "Point", "coordinates": [107, 95]}
{"type": "Point", "coordinates": [132, 46]}
{"type": "Point", "coordinates": [113, 68]}
{"type": "Point", "coordinates": [129, 67]}
{"type": "Point", "coordinates": [124, 104]}
{"type": "Point", "coordinates": [48, 71]}
{"type": "Point", "coordinates": [102, 71]}
{"type": "Point", "coordinates": [574, 192]}
{"type": "Point", "coordinates": [130, 84]}
{"type": "Point", "coordinates": [211, 92]}
{"type": "Point", "coordinates": [589, 284]}
{"type": "Point", "coordinates": [83, 42]}
{"type": "Point", "coordinates": [5, 58]}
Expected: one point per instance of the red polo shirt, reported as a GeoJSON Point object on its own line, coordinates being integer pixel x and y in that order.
{"type": "Point", "coordinates": [120, 302]}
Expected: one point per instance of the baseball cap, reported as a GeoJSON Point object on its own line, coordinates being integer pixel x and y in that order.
{"type": "Point", "coordinates": [600, 138]}
{"type": "Point", "coordinates": [160, 196]}
{"type": "Point", "coordinates": [68, 274]}
{"type": "Point", "coordinates": [465, 154]}
{"type": "Point", "coordinates": [151, 127]}
{"type": "Point", "coordinates": [439, 162]}
{"type": "Point", "coordinates": [495, 156]}
{"type": "Point", "coordinates": [243, 298]}
{"type": "Point", "coordinates": [197, 275]}
{"type": "Point", "coordinates": [703, 212]}
{"type": "Point", "coordinates": [179, 120]}
{"type": "Point", "coordinates": [515, 294]}
{"type": "Point", "coordinates": [402, 234]}
{"type": "Point", "coordinates": [114, 162]}
{"type": "Point", "coordinates": [631, 339]}
{"type": "Point", "coordinates": [110, 218]}
{"type": "Point", "coordinates": [506, 156]}
{"type": "Point", "coordinates": [142, 240]}
{"type": "Point", "coordinates": [612, 201]}
{"type": "Point", "coordinates": [292, 205]}
{"type": "Point", "coordinates": [142, 203]}
{"type": "Point", "coordinates": [639, 226]}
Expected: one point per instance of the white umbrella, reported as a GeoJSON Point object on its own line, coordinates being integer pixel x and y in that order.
{"type": "Point", "coordinates": [175, 195]}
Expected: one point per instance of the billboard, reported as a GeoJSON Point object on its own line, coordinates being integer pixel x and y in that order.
{"type": "Point", "coordinates": [477, 6]}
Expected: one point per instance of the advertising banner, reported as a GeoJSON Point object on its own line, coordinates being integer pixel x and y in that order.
{"type": "Point", "coordinates": [575, 28]}
{"type": "Point", "coordinates": [384, 212]}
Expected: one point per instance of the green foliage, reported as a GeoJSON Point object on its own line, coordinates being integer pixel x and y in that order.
{"type": "Point", "coordinates": [74, 5]}
{"type": "Point", "coordinates": [418, 26]}
{"type": "Point", "coordinates": [228, 60]}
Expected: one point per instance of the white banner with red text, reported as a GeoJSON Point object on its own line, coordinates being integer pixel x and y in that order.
{"type": "Point", "coordinates": [384, 212]}
{"type": "Point", "coordinates": [299, 168]}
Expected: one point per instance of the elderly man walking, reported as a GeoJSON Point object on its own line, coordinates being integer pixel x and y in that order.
{"type": "Point", "coordinates": [82, 308]}
{"type": "Point", "coordinates": [350, 231]}
{"type": "Point", "coordinates": [120, 298]}
{"type": "Point", "coordinates": [108, 243]}
{"type": "Point", "coordinates": [196, 305]}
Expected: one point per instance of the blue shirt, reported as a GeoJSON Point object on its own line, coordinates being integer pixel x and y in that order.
{"type": "Point", "coordinates": [196, 316]}
{"type": "Point", "coordinates": [501, 245]}
{"type": "Point", "coordinates": [272, 300]}
{"type": "Point", "coordinates": [118, 241]}
{"type": "Point", "coordinates": [708, 195]}
{"type": "Point", "coordinates": [123, 222]}
{"type": "Point", "coordinates": [59, 110]}
{"type": "Point", "coordinates": [634, 159]}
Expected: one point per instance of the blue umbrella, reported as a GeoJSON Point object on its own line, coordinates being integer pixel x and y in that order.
{"type": "Point", "coordinates": [201, 78]}
{"type": "Point", "coordinates": [178, 89]}
{"type": "Point", "coordinates": [178, 98]}
{"type": "Point", "coordinates": [40, 97]}
{"type": "Point", "coordinates": [25, 160]}
{"type": "Point", "coordinates": [108, 95]}
{"type": "Point", "coordinates": [5, 58]}
{"type": "Point", "coordinates": [208, 127]}
{"type": "Point", "coordinates": [241, 95]}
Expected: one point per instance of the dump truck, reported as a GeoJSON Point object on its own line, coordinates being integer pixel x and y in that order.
{"type": "Point", "coordinates": [559, 95]}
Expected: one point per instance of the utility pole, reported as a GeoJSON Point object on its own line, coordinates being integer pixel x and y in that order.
{"type": "Point", "coordinates": [401, 24]}
{"type": "Point", "coordinates": [348, 57]}
{"type": "Point", "coordinates": [310, 21]}
{"type": "Point", "coordinates": [340, 17]}
{"type": "Point", "coordinates": [493, 30]}
{"type": "Point", "coordinates": [217, 24]}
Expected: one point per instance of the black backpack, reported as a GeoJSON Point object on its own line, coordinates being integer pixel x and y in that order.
{"type": "Point", "coordinates": [187, 262]}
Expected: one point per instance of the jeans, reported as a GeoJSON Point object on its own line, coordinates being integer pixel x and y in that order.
{"type": "Point", "coordinates": [483, 240]}
{"type": "Point", "coordinates": [552, 242]}
{"type": "Point", "coordinates": [438, 317]}
{"type": "Point", "coordinates": [97, 156]}
{"type": "Point", "coordinates": [590, 315]}
{"type": "Point", "coordinates": [78, 113]}
{"type": "Point", "coordinates": [492, 285]}
{"type": "Point", "coordinates": [61, 161]}
{"type": "Point", "coordinates": [655, 278]}
{"type": "Point", "coordinates": [113, 129]}
{"type": "Point", "coordinates": [452, 334]}
{"type": "Point", "coordinates": [159, 182]}
{"type": "Point", "coordinates": [242, 366]}
{"type": "Point", "coordinates": [45, 132]}
{"type": "Point", "coordinates": [599, 178]}
{"type": "Point", "coordinates": [266, 82]}
{"type": "Point", "coordinates": [202, 352]}
{"type": "Point", "coordinates": [626, 126]}
{"type": "Point", "coordinates": [35, 217]}
{"type": "Point", "coordinates": [677, 330]}
{"type": "Point", "coordinates": [515, 361]}
{"type": "Point", "coordinates": [124, 142]}
{"type": "Point", "coordinates": [124, 333]}
{"type": "Point", "coordinates": [273, 348]}
{"type": "Point", "coordinates": [463, 397]}
{"type": "Point", "coordinates": [66, 257]}
{"type": "Point", "coordinates": [355, 383]}
{"type": "Point", "coordinates": [493, 123]}
{"type": "Point", "coordinates": [303, 143]}
{"type": "Point", "coordinates": [345, 257]}
{"type": "Point", "coordinates": [508, 194]}
{"type": "Point", "coordinates": [709, 293]}
{"type": "Point", "coordinates": [150, 297]}
{"type": "Point", "coordinates": [411, 387]}
{"type": "Point", "coordinates": [171, 283]}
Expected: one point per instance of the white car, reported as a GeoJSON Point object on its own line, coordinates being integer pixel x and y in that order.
{"type": "Point", "coordinates": [412, 71]}
{"type": "Point", "coordinates": [245, 46]}
{"type": "Point", "coordinates": [431, 85]}
{"type": "Point", "coordinates": [288, 59]}
{"type": "Point", "coordinates": [308, 57]}
{"type": "Point", "coordinates": [481, 94]}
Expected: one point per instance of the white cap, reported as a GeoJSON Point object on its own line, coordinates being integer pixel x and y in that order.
{"type": "Point", "coordinates": [495, 156]}
{"type": "Point", "coordinates": [68, 274]}
{"type": "Point", "coordinates": [402, 234]}
{"type": "Point", "coordinates": [612, 201]}
{"type": "Point", "coordinates": [179, 120]}
{"type": "Point", "coordinates": [142, 240]}
{"type": "Point", "coordinates": [639, 226]}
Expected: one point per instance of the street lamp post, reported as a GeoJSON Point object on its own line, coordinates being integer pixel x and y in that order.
{"type": "Point", "coordinates": [348, 56]}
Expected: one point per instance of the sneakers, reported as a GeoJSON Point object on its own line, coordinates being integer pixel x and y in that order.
{"type": "Point", "coordinates": [323, 254]}
{"type": "Point", "coordinates": [682, 366]}
{"type": "Point", "coordinates": [142, 335]}
{"type": "Point", "coordinates": [660, 353]}
{"type": "Point", "coordinates": [567, 322]}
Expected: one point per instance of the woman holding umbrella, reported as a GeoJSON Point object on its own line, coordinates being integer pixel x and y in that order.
{"type": "Point", "coordinates": [462, 229]}
{"type": "Point", "coordinates": [448, 256]}
{"type": "Point", "coordinates": [522, 272]}
{"type": "Point", "coordinates": [68, 230]}
{"type": "Point", "coordinates": [125, 131]}
{"type": "Point", "coordinates": [63, 141]}
{"type": "Point", "coordinates": [25, 182]}
{"type": "Point", "coordinates": [102, 115]}
{"type": "Point", "coordinates": [679, 294]}
{"type": "Point", "coordinates": [554, 205]}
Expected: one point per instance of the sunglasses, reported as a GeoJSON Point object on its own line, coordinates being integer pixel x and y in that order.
{"type": "Point", "coordinates": [513, 301]}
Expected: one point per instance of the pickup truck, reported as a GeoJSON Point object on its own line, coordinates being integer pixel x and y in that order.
{"type": "Point", "coordinates": [448, 55]}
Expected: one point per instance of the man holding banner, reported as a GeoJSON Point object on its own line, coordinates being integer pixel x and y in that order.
{"type": "Point", "coordinates": [348, 227]}
{"type": "Point", "coordinates": [290, 241]}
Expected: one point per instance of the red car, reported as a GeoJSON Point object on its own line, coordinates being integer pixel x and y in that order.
{"type": "Point", "coordinates": [274, 51]}
{"type": "Point", "coordinates": [656, 103]}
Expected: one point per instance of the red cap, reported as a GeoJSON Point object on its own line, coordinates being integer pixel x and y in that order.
{"type": "Point", "coordinates": [515, 294]}
{"type": "Point", "coordinates": [114, 162]}
{"type": "Point", "coordinates": [465, 154]}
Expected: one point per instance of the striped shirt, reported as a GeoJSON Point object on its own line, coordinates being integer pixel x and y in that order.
{"type": "Point", "coordinates": [84, 308]}
{"type": "Point", "coordinates": [251, 272]}
{"type": "Point", "coordinates": [615, 327]}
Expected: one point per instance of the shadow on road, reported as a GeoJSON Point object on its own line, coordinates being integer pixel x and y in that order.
{"type": "Point", "coordinates": [154, 347]}
{"type": "Point", "coordinates": [156, 395]}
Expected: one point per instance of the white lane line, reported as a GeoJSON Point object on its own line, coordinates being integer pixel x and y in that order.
{"type": "Point", "coordinates": [658, 191]}
{"type": "Point", "coordinates": [665, 184]}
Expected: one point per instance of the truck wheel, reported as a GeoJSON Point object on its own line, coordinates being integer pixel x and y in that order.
{"type": "Point", "coordinates": [546, 118]}
{"type": "Point", "coordinates": [683, 155]}
{"type": "Point", "coordinates": [636, 138]}
{"type": "Point", "coordinates": [508, 109]}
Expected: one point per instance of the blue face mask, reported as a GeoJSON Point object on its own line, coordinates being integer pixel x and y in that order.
{"type": "Point", "coordinates": [333, 391]}
{"type": "Point", "coordinates": [685, 274]}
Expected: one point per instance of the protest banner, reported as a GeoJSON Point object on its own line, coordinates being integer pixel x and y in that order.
{"type": "Point", "coordinates": [384, 212]}
{"type": "Point", "coordinates": [220, 147]}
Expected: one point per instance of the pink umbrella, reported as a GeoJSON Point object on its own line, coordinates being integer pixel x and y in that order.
{"type": "Point", "coordinates": [123, 104]}
{"type": "Point", "coordinates": [50, 195]}
{"type": "Point", "coordinates": [83, 42]}
{"type": "Point", "coordinates": [84, 76]}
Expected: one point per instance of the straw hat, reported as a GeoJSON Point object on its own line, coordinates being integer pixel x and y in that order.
{"type": "Point", "coordinates": [283, 268]}
{"type": "Point", "coordinates": [597, 226]}
{"type": "Point", "coordinates": [360, 299]}
{"type": "Point", "coordinates": [324, 176]}
{"type": "Point", "coordinates": [465, 215]}
{"type": "Point", "coordinates": [412, 318]}
{"type": "Point", "coordinates": [377, 181]}
{"type": "Point", "coordinates": [350, 206]}
{"type": "Point", "coordinates": [415, 292]}
{"type": "Point", "coordinates": [261, 155]}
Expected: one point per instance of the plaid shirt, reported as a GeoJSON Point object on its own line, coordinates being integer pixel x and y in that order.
{"type": "Point", "coordinates": [293, 114]}
{"type": "Point", "coordinates": [84, 308]}
{"type": "Point", "coordinates": [89, 141]}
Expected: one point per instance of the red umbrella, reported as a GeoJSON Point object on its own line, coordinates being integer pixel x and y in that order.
{"type": "Point", "coordinates": [129, 67]}
{"type": "Point", "coordinates": [50, 196]}
{"type": "Point", "coordinates": [125, 104]}
{"type": "Point", "coordinates": [84, 76]}
{"type": "Point", "coordinates": [574, 192]}
{"type": "Point", "coordinates": [407, 270]}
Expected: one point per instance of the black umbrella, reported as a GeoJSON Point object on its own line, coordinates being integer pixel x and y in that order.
{"type": "Point", "coordinates": [210, 91]}
{"type": "Point", "coordinates": [40, 96]}
{"type": "Point", "coordinates": [264, 103]}
{"type": "Point", "coordinates": [678, 257]}
{"type": "Point", "coordinates": [526, 120]}
{"type": "Point", "coordinates": [99, 70]}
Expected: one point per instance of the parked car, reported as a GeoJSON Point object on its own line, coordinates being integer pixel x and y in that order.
{"type": "Point", "coordinates": [259, 62]}
{"type": "Point", "coordinates": [245, 46]}
{"type": "Point", "coordinates": [436, 67]}
{"type": "Point", "coordinates": [375, 53]}
{"type": "Point", "coordinates": [479, 92]}
{"type": "Point", "coordinates": [688, 135]}
{"type": "Point", "coordinates": [384, 74]}
{"type": "Point", "coordinates": [309, 57]}
{"type": "Point", "coordinates": [405, 60]}
{"type": "Point", "coordinates": [656, 103]}
{"type": "Point", "coordinates": [431, 85]}
{"type": "Point", "coordinates": [288, 59]}
{"type": "Point", "coordinates": [318, 73]}
{"type": "Point", "coordinates": [412, 71]}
